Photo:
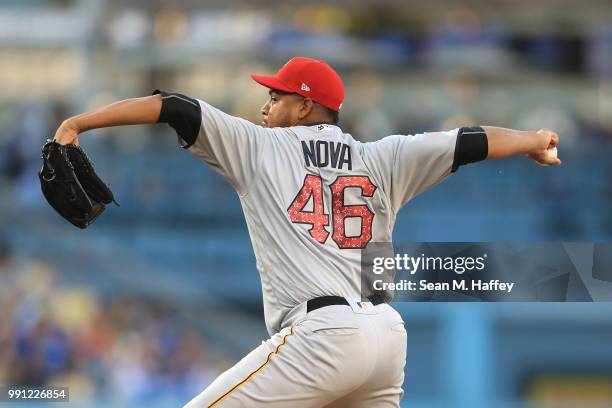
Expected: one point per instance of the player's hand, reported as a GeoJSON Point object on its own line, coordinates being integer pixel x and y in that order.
{"type": "Point", "coordinates": [545, 151]}
{"type": "Point", "coordinates": [67, 134]}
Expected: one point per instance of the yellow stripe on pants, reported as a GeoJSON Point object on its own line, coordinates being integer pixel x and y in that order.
{"type": "Point", "coordinates": [248, 377]}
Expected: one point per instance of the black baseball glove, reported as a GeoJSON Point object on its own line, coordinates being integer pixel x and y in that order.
{"type": "Point", "coordinates": [70, 184]}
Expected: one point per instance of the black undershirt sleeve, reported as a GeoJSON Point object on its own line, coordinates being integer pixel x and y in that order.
{"type": "Point", "coordinates": [472, 146]}
{"type": "Point", "coordinates": [183, 114]}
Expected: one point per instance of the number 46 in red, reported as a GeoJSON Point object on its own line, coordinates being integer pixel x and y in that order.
{"type": "Point", "coordinates": [313, 187]}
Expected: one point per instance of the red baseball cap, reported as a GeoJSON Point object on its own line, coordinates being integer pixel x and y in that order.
{"type": "Point", "coordinates": [310, 78]}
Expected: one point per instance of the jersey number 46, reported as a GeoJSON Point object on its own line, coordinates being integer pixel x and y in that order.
{"type": "Point", "coordinates": [313, 187]}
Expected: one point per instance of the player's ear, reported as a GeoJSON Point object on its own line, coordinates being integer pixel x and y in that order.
{"type": "Point", "coordinates": [306, 107]}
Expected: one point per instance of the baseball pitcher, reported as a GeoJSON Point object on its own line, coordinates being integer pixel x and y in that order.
{"type": "Point", "coordinates": [313, 198]}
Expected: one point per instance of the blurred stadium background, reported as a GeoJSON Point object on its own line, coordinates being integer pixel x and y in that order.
{"type": "Point", "coordinates": [148, 305]}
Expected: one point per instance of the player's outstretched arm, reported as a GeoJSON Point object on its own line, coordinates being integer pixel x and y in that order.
{"type": "Point", "coordinates": [541, 146]}
{"type": "Point", "coordinates": [136, 111]}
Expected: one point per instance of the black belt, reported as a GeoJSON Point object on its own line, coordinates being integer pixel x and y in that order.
{"type": "Point", "coordinates": [317, 303]}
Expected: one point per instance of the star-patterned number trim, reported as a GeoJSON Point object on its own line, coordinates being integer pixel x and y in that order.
{"type": "Point", "coordinates": [341, 211]}
{"type": "Point", "coordinates": [313, 187]}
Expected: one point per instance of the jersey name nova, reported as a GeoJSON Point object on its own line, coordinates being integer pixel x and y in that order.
{"type": "Point", "coordinates": [327, 153]}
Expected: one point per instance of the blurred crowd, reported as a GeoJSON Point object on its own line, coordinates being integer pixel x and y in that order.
{"type": "Point", "coordinates": [132, 348]}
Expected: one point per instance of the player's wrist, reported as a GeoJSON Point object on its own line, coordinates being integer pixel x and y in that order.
{"type": "Point", "coordinates": [71, 125]}
{"type": "Point", "coordinates": [537, 142]}
{"type": "Point", "coordinates": [67, 132]}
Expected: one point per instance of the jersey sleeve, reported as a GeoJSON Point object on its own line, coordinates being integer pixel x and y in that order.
{"type": "Point", "coordinates": [408, 165]}
{"type": "Point", "coordinates": [231, 146]}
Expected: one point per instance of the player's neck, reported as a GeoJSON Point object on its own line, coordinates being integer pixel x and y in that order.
{"type": "Point", "coordinates": [317, 123]}
{"type": "Point", "coordinates": [317, 120]}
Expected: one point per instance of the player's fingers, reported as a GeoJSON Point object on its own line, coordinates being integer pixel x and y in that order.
{"type": "Point", "coordinates": [551, 162]}
{"type": "Point", "coordinates": [554, 140]}
{"type": "Point", "coordinates": [546, 159]}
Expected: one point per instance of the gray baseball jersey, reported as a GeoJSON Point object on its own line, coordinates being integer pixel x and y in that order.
{"type": "Point", "coordinates": [312, 196]}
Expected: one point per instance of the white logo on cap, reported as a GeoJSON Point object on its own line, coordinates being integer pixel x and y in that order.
{"type": "Point", "coordinates": [305, 87]}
